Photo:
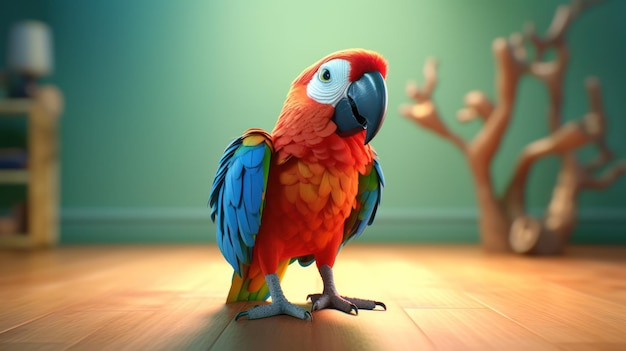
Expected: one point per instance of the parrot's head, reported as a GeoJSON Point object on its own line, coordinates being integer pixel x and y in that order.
{"type": "Point", "coordinates": [344, 93]}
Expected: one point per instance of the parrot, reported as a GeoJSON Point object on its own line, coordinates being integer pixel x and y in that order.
{"type": "Point", "coordinates": [303, 191]}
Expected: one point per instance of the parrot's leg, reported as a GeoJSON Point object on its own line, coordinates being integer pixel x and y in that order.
{"type": "Point", "coordinates": [279, 304]}
{"type": "Point", "coordinates": [329, 298]}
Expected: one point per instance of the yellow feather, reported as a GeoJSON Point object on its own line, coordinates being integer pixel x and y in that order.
{"type": "Point", "coordinates": [235, 288]}
{"type": "Point", "coordinates": [288, 178]}
{"type": "Point", "coordinates": [253, 140]}
{"type": "Point", "coordinates": [304, 170]}
{"type": "Point", "coordinates": [318, 204]}
{"type": "Point", "coordinates": [338, 195]}
{"type": "Point", "coordinates": [348, 184]}
{"type": "Point", "coordinates": [316, 168]}
{"type": "Point", "coordinates": [325, 187]}
{"type": "Point", "coordinates": [256, 283]}
{"type": "Point", "coordinates": [308, 192]}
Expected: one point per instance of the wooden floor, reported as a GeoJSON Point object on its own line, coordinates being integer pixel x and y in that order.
{"type": "Point", "coordinates": [438, 298]}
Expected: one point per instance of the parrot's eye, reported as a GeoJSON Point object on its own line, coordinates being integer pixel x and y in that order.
{"type": "Point", "coordinates": [330, 82]}
{"type": "Point", "coordinates": [325, 75]}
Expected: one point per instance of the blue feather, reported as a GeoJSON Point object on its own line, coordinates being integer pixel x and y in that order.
{"type": "Point", "coordinates": [254, 157]}
{"type": "Point", "coordinates": [242, 220]}
{"type": "Point", "coordinates": [248, 237]}
{"type": "Point", "coordinates": [229, 253]}
{"type": "Point", "coordinates": [236, 197]}
{"type": "Point", "coordinates": [254, 197]}
{"type": "Point", "coordinates": [230, 217]}
{"type": "Point", "coordinates": [253, 191]}
{"type": "Point", "coordinates": [233, 183]}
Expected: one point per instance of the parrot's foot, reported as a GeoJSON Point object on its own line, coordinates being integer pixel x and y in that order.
{"type": "Point", "coordinates": [342, 303]}
{"type": "Point", "coordinates": [279, 304]}
{"type": "Point", "coordinates": [329, 298]}
{"type": "Point", "coordinates": [275, 309]}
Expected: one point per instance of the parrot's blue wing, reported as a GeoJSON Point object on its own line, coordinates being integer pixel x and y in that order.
{"type": "Point", "coordinates": [237, 197]}
{"type": "Point", "coordinates": [368, 198]}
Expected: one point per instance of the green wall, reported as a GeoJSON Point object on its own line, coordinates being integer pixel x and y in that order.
{"type": "Point", "coordinates": [156, 89]}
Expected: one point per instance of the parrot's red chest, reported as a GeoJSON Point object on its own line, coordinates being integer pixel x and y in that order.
{"type": "Point", "coordinates": [308, 200]}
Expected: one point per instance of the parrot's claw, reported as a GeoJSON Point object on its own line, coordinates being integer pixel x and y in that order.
{"type": "Point", "coordinates": [348, 305]}
{"type": "Point", "coordinates": [366, 304]}
{"type": "Point", "coordinates": [241, 314]}
{"type": "Point", "coordinates": [274, 309]}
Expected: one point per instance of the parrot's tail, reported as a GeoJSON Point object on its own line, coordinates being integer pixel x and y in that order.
{"type": "Point", "coordinates": [251, 285]}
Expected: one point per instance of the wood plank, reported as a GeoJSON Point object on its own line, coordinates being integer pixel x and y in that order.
{"type": "Point", "coordinates": [172, 297]}
{"type": "Point", "coordinates": [186, 324]}
{"type": "Point", "coordinates": [329, 330]}
{"type": "Point", "coordinates": [33, 346]}
{"type": "Point", "coordinates": [592, 346]}
{"type": "Point", "coordinates": [60, 327]}
{"type": "Point", "coordinates": [67, 279]}
{"type": "Point", "coordinates": [475, 329]}
{"type": "Point", "coordinates": [560, 315]}
{"type": "Point", "coordinates": [442, 298]}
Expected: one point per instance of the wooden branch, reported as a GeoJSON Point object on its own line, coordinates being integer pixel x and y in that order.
{"type": "Point", "coordinates": [595, 122]}
{"type": "Point", "coordinates": [591, 128]}
{"type": "Point", "coordinates": [424, 111]}
{"type": "Point", "coordinates": [504, 223]}
{"type": "Point", "coordinates": [493, 223]}
{"type": "Point", "coordinates": [606, 179]}
{"type": "Point", "coordinates": [563, 18]}
{"type": "Point", "coordinates": [485, 144]}
{"type": "Point", "coordinates": [430, 76]}
{"type": "Point", "coordinates": [519, 50]}
{"type": "Point", "coordinates": [525, 232]}
{"type": "Point", "coordinates": [424, 93]}
{"type": "Point", "coordinates": [567, 138]}
{"type": "Point", "coordinates": [552, 73]}
{"type": "Point", "coordinates": [604, 156]}
{"type": "Point", "coordinates": [529, 235]}
{"type": "Point", "coordinates": [477, 105]}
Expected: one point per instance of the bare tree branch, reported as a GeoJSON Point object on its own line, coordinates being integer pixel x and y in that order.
{"type": "Point", "coordinates": [504, 223]}
{"type": "Point", "coordinates": [424, 112]}
{"type": "Point", "coordinates": [606, 179]}
{"type": "Point", "coordinates": [563, 18]}
{"type": "Point", "coordinates": [604, 156]}
{"type": "Point", "coordinates": [485, 144]}
{"type": "Point", "coordinates": [477, 105]}
{"type": "Point", "coordinates": [424, 93]}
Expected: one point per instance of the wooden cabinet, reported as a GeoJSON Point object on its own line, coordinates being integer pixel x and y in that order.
{"type": "Point", "coordinates": [41, 177]}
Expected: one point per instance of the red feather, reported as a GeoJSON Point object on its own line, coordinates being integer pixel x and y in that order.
{"type": "Point", "coordinates": [361, 61]}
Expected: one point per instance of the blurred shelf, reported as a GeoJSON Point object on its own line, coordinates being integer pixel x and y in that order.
{"type": "Point", "coordinates": [13, 176]}
{"type": "Point", "coordinates": [15, 106]}
{"type": "Point", "coordinates": [16, 241]}
{"type": "Point", "coordinates": [41, 178]}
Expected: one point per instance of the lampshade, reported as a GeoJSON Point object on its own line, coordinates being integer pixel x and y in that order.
{"type": "Point", "coordinates": [30, 48]}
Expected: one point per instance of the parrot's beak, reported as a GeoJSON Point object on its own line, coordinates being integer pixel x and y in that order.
{"type": "Point", "coordinates": [363, 108]}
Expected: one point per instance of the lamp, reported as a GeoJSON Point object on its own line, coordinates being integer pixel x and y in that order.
{"type": "Point", "coordinates": [29, 55]}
